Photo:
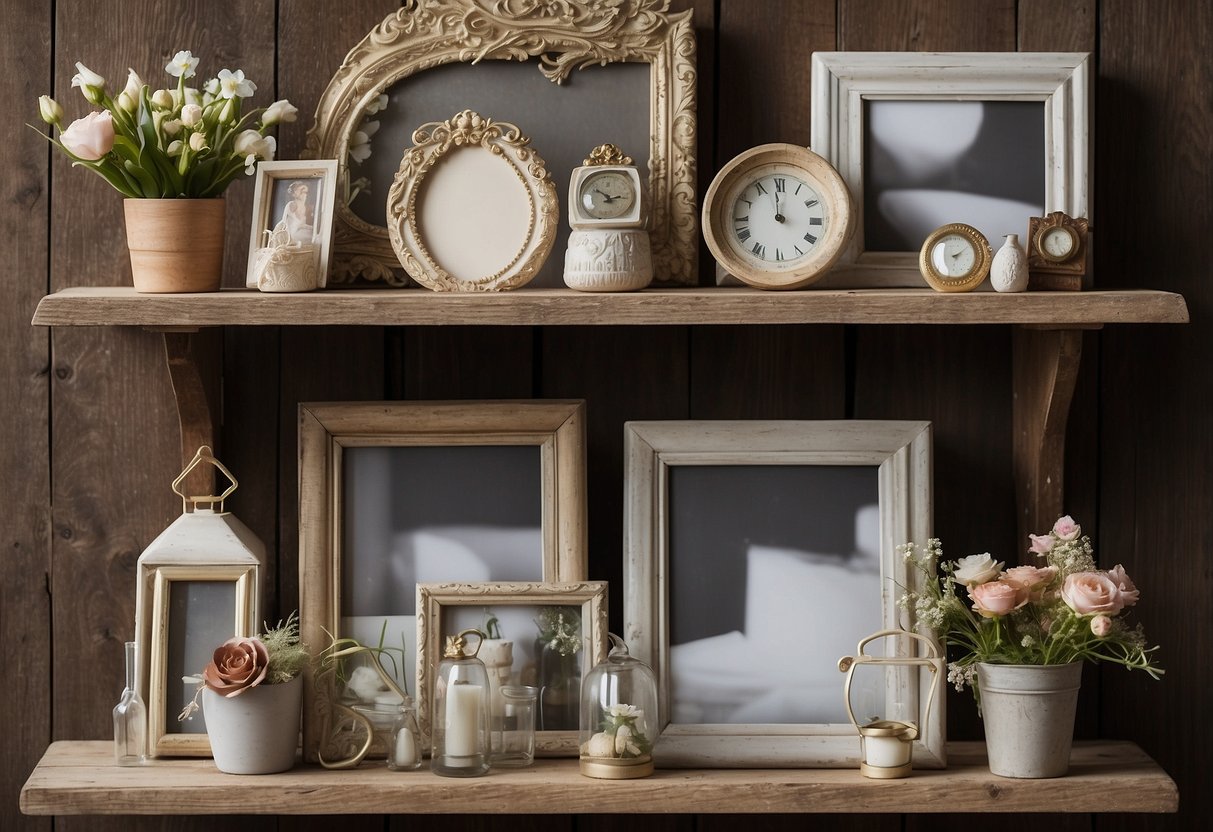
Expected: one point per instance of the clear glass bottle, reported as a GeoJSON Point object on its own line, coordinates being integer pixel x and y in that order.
{"type": "Point", "coordinates": [130, 717]}
{"type": "Point", "coordinates": [619, 720]}
{"type": "Point", "coordinates": [404, 750]}
{"type": "Point", "coordinates": [459, 745]}
{"type": "Point", "coordinates": [514, 743]}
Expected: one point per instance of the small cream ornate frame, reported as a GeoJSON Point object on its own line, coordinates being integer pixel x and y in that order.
{"type": "Point", "coordinates": [842, 81]}
{"type": "Point", "coordinates": [433, 144]}
{"type": "Point", "coordinates": [263, 199]}
{"type": "Point", "coordinates": [556, 427]}
{"type": "Point", "coordinates": [901, 452]}
{"type": "Point", "coordinates": [161, 742]}
{"type": "Point", "coordinates": [565, 36]}
{"type": "Point", "coordinates": [590, 596]}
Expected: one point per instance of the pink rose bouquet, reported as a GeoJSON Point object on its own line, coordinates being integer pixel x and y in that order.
{"type": "Point", "coordinates": [187, 140]}
{"type": "Point", "coordinates": [1061, 611]}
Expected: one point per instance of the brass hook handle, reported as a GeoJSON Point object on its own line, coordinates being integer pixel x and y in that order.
{"type": "Point", "coordinates": [933, 661]}
{"type": "Point", "coordinates": [204, 455]}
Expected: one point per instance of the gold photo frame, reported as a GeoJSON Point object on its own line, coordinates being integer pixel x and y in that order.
{"type": "Point", "coordinates": [425, 34]}
{"type": "Point", "coordinates": [360, 460]}
{"type": "Point", "coordinates": [167, 606]}
{"type": "Point", "coordinates": [590, 599]}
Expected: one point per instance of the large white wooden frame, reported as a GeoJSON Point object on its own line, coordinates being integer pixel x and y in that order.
{"type": "Point", "coordinates": [842, 81]}
{"type": "Point", "coordinates": [902, 453]}
{"type": "Point", "coordinates": [556, 426]}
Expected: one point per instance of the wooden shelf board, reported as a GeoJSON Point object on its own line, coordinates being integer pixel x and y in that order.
{"type": "Point", "coordinates": [79, 778]}
{"type": "Point", "coordinates": [122, 306]}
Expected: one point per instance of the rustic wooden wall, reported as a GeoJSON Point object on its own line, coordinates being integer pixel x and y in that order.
{"type": "Point", "coordinates": [88, 442]}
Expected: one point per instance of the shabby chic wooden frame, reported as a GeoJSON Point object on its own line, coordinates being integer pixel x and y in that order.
{"type": "Point", "coordinates": [564, 36]}
{"type": "Point", "coordinates": [433, 143]}
{"type": "Point", "coordinates": [556, 427]}
{"type": "Point", "coordinates": [842, 81]}
{"type": "Point", "coordinates": [902, 453]}
{"type": "Point", "coordinates": [263, 198]}
{"type": "Point", "coordinates": [590, 596]}
{"type": "Point", "coordinates": [160, 742]}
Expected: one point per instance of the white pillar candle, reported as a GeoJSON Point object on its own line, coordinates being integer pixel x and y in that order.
{"type": "Point", "coordinates": [886, 752]}
{"type": "Point", "coordinates": [406, 748]}
{"type": "Point", "coordinates": [462, 719]}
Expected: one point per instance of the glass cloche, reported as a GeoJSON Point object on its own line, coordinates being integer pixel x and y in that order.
{"type": "Point", "coordinates": [619, 720]}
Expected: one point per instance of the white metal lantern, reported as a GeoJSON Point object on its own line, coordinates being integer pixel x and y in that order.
{"type": "Point", "coordinates": [199, 585]}
{"type": "Point", "coordinates": [887, 745]}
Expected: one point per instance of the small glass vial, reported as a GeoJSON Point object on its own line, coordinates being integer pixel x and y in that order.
{"type": "Point", "coordinates": [404, 749]}
{"type": "Point", "coordinates": [130, 718]}
{"type": "Point", "coordinates": [618, 717]}
{"type": "Point", "coordinates": [459, 745]}
{"type": "Point", "coordinates": [514, 745]}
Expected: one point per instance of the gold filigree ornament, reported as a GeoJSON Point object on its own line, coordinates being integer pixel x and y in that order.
{"type": "Point", "coordinates": [563, 36]}
{"type": "Point", "coordinates": [607, 154]}
{"type": "Point", "coordinates": [432, 223]}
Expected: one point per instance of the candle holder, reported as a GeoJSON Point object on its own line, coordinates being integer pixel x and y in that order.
{"type": "Point", "coordinates": [460, 745]}
{"type": "Point", "coordinates": [886, 746]}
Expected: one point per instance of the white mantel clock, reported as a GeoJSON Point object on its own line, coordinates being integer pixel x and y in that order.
{"type": "Point", "coordinates": [609, 245]}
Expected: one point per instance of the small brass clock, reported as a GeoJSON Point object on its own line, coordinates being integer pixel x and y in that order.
{"type": "Point", "coordinates": [955, 258]}
{"type": "Point", "coordinates": [1058, 251]}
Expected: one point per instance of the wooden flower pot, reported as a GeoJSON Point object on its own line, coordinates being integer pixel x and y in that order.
{"type": "Point", "coordinates": [176, 245]}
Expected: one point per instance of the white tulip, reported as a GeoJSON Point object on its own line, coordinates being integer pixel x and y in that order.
{"type": "Point", "coordinates": [175, 148]}
{"type": "Point", "coordinates": [49, 109]}
{"type": "Point", "coordinates": [191, 115]}
{"type": "Point", "coordinates": [134, 85]}
{"type": "Point", "coordinates": [163, 99]}
{"type": "Point", "coordinates": [85, 77]}
{"type": "Point", "coordinates": [281, 110]}
{"type": "Point", "coordinates": [171, 127]}
{"type": "Point", "coordinates": [198, 142]}
{"type": "Point", "coordinates": [127, 102]}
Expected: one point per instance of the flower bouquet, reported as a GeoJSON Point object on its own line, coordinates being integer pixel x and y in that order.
{"type": "Point", "coordinates": [251, 694]}
{"type": "Point", "coordinates": [1027, 630]}
{"type": "Point", "coordinates": [164, 143]}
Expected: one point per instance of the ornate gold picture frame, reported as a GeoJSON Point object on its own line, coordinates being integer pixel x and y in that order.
{"type": "Point", "coordinates": [425, 34]}
{"type": "Point", "coordinates": [588, 597]}
{"type": "Point", "coordinates": [506, 232]}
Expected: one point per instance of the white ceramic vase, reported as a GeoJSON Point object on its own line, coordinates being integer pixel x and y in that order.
{"type": "Point", "coordinates": [1028, 712]}
{"type": "Point", "coordinates": [1009, 269]}
{"type": "Point", "coordinates": [256, 732]}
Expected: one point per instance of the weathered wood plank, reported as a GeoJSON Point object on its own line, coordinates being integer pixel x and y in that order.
{"type": "Point", "coordinates": [25, 601]}
{"type": "Point", "coordinates": [76, 778]}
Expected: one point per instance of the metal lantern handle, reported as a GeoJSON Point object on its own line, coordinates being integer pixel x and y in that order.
{"type": "Point", "coordinates": [204, 455]}
{"type": "Point", "coordinates": [933, 661]}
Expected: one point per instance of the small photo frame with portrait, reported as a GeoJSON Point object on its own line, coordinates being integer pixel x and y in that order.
{"type": "Point", "coordinates": [293, 204]}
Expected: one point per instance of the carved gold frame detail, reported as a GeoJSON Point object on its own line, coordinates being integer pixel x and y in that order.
{"type": "Point", "coordinates": [564, 36]}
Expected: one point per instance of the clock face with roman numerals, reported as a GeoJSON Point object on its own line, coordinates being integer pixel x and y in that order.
{"type": "Point", "coordinates": [777, 216]}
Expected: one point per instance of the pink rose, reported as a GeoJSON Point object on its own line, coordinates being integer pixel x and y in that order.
{"type": "Point", "coordinates": [1042, 544]}
{"type": "Point", "coordinates": [1066, 529]}
{"type": "Point", "coordinates": [238, 664]}
{"type": "Point", "coordinates": [1128, 592]}
{"type": "Point", "coordinates": [1091, 592]}
{"type": "Point", "coordinates": [997, 598]}
{"type": "Point", "coordinates": [1031, 579]}
{"type": "Point", "coordinates": [1101, 625]}
{"type": "Point", "coordinates": [90, 137]}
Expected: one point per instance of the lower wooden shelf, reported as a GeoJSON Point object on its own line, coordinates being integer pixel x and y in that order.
{"type": "Point", "coordinates": [79, 778]}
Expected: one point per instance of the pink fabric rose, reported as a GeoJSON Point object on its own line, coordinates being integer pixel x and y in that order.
{"type": "Point", "coordinates": [1042, 544]}
{"type": "Point", "coordinates": [238, 664]}
{"type": "Point", "coordinates": [1091, 592]}
{"type": "Point", "coordinates": [1031, 579]}
{"type": "Point", "coordinates": [1101, 625]}
{"type": "Point", "coordinates": [997, 598]}
{"type": "Point", "coordinates": [1128, 592]}
{"type": "Point", "coordinates": [1066, 529]}
{"type": "Point", "coordinates": [90, 137]}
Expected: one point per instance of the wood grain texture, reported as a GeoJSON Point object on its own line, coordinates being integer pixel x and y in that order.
{"type": "Point", "coordinates": [113, 421]}
{"type": "Point", "coordinates": [556, 307]}
{"type": "Point", "coordinates": [1156, 448]}
{"type": "Point", "coordinates": [76, 778]}
{"type": "Point", "coordinates": [25, 600]}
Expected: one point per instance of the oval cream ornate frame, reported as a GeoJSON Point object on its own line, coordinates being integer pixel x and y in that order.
{"type": "Point", "coordinates": [432, 144]}
{"type": "Point", "coordinates": [428, 33]}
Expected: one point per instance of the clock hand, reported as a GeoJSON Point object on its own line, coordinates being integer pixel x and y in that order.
{"type": "Point", "coordinates": [775, 201]}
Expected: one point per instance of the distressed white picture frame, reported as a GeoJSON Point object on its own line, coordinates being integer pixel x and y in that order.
{"type": "Point", "coordinates": [901, 452]}
{"type": "Point", "coordinates": [843, 81]}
